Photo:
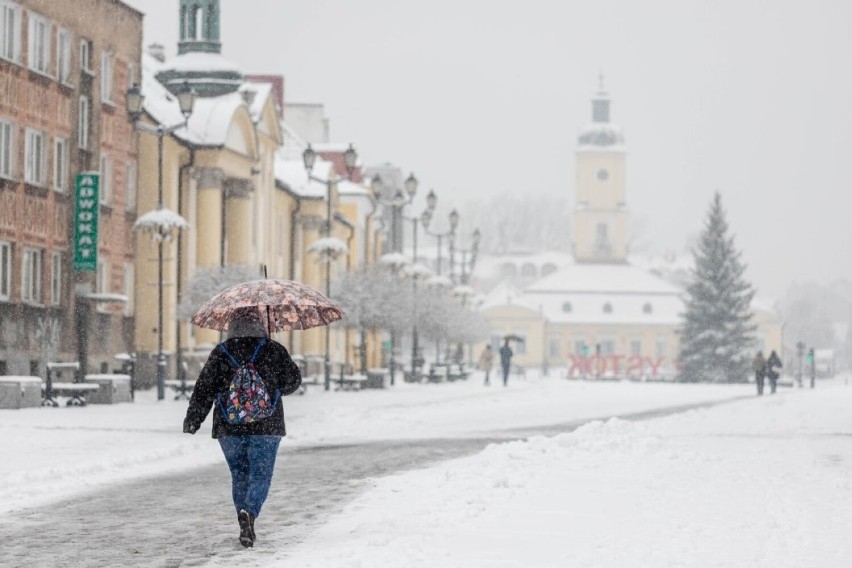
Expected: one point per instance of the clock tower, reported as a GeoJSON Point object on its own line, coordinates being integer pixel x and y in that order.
{"type": "Point", "coordinates": [600, 212]}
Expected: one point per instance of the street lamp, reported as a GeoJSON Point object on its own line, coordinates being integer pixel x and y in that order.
{"type": "Point", "coordinates": [463, 290]}
{"type": "Point", "coordinates": [396, 203]}
{"type": "Point", "coordinates": [432, 201]}
{"type": "Point", "coordinates": [162, 222]}
{"type": "Point", "coordinates": [350, 160]}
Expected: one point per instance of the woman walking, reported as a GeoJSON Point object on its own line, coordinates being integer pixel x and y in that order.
{"type": "Point", "coordinates": [244, 378]}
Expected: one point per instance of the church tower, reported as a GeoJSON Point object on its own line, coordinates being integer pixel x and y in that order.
{"type": "Point", "coordinates": [199, 62]}
{"type": "Point", "coordinates": [199, 26]}
{"type": "Point", "coordinates": [600, 212]}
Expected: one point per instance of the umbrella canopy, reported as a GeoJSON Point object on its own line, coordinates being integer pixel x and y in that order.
{"type": "Point", "coordinates": [282, 304]}
{"type": "Point", "coordinates": [513, 338]}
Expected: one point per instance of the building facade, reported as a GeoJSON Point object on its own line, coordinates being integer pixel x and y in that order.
{"type": "Point", "coordinates": [600, 313]}
{"type": "Point", "coordinates": [64, 68]}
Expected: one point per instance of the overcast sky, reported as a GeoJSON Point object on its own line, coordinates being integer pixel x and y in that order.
{"type": "Point", "coordinates": [480, 97]}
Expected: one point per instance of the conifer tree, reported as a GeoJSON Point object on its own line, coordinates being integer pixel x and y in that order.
{"type": "Point", "coordinates": [716, 339]}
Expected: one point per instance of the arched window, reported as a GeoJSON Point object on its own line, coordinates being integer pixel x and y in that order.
{"type": "Point", "coordinates": [508, 270]}
{"type": "Point", "coordinates": [607, 308]}
{"type": "Point", "coordinates": [198, 18]}
{"type": "Point", "coordinates": [528, 270]}
{"type": "Point", "coordinates": [548, 269]}
{"type": "Point", "coordinates": [567, 307]}
{"type": "Point", "coordinates": [647, 308]}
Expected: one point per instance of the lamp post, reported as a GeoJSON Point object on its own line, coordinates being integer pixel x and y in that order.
{"type": "Point", "coordinates": [396, 203]}
{"type": "Point", "coordinates": [161, 223]}
{"type": "Point", "coordinates": [432, 201]}
{"type": "Point", "coordinates": [350, 160]}
{"type": "Point", "coordinates": [463, 290]}
{"type": "Point", "coordinates": [416, 272]}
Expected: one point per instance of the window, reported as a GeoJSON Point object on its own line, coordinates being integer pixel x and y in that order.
{"type": "Point", "coordinates": [661, 346]}
{"type": "Point", "coordinates": [83, 125]}
{"type": "Point", "coordinates": [60, 164]}
{"type": "Point", "coordinates": [567, 307]}
{"type": "Point", "coordinates": [63, 56]}
{"type": "Point", "coordinates": [103, 286]}
{"type": "Point", "coordinates": [7, 151]}
{"type": "Point", "coordinates": [607, 308]}
{"type": "Point", "coordinates": [86, 55]}
{"type": "Point", "coordinates": [129, 282]}
{"type": "Point", "coordinates": [131, 75]}
{"type": "Point", "coordinates": [647, 308]}
{"type": "Point", "coordinates": [34, 159]}
{"type": "Point", "coordinates": [5, 270]}
{"type": "Point", "coordinates": [10, 31]}
{"type": "Point", "coordinates": [636, 347]}
{"type": "Point", "coordinates": [56, 278]}
{"type": "Point", "coordinates": [106, 179]}
{"type": "Point", "coordinates": [130, 186]}
{"type": "Point", "coordinates": [31, 275]}
{"type": "Point", "coordinates": [607, 346]}
{"type": "Point", "coordinates": [39, 54]}
{"type": "Point", "coordinates": [554, 345]}
{"type": "Point", "coordinates": [580, 346]}
{"type": "Point", "coordinates": [106, 77]}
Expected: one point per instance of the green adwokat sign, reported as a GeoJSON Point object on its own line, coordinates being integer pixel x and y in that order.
{"type": "Point", "coordinates": [86, 209]}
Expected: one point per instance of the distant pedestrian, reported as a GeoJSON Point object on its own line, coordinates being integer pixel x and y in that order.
{"type": "Point", "coordinates": [771, 373]}
{"type": "Point", "coordinates": [759, 367]}
{"type": "Point", "coordinates": [486, 363]}
{"type": "Point", "coordinates": [245, 378]}
{"type": "Point", "coordinates": [506, 361]}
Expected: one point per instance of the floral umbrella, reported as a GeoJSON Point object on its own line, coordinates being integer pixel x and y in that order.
{"type": "Point", "coordinates": [283, 304]}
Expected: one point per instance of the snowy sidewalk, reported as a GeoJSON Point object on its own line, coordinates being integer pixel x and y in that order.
{"type": "Point", "coordinates": [757, 483]}
{"type": "Point", "coordinates": [62, 452]}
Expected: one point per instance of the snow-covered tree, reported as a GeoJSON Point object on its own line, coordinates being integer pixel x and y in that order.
{"type": "Point", "coordinates": [207, 282]}
{"type": "Point", "coordinates": [716, 333]}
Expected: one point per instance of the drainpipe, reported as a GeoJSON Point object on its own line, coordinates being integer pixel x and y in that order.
{"type": "Point", "coordinates": [294, 219]}
{"type": "Point", "coordinates": [178, 347]}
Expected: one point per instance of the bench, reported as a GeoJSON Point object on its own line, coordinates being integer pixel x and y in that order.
{"type": "Point", "coordinates": [20, 392]}
{"type": "Point", "coordinates": [310, 380]}
{"type": "Point", "coordinates": [438, 372]}
{"type": "Point", "coordinates": [351, 382]}
{"type": "Point", "coordinates": [75, 391]}
{"type": "Point", "coordinates": [377, 378]}
{"type": "Point", "coordinates": [180, 387]}
{"type": "Point", "coordinates": [457, 372]}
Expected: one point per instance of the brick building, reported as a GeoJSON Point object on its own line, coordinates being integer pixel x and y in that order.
{"type": "Point", "coordinates": [64, 69]}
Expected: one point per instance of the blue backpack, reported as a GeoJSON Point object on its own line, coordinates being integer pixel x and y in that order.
{"type": "Point", "coordinates": [248, 400]}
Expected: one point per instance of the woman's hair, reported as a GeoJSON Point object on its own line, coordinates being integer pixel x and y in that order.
{"type": "Point", "coordinates": [247, 324]}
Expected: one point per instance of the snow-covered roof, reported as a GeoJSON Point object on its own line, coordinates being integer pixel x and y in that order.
{"type": "Point", "coordinates": [262, 92]}
{"type": "Point", "coordinates": [346, 187]}
{"type": "Point", "coordinates": [602, 278]}
{"type": "Point", "coordinates": [211, 116]}
{"type": "Point", "coordinates": [504, 294]}
{"type": "Point", "coordinates": [292, 173]}
{"type": "Point", "coordinates": [200, 62]}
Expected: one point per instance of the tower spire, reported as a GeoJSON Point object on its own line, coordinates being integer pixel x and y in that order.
{"type": "Point", "coordinates": [600, 102]}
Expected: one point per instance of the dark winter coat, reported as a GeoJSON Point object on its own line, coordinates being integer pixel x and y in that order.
{"type": "Point", "coordinates": [771, 363]}
{"type": "Point", "coordinates": [273, 364]}
{"type": "Point", "coordinates": [505, 355]}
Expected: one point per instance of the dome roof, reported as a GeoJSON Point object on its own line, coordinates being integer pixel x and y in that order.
{"type": "Point", "coordinates": [601, 134]}
{"type": "Point", "coordinates": [210, 74]}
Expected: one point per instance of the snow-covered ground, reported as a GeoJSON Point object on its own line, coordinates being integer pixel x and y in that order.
{"type": "Point", "coordinates": [52, 453]}
{"type": "Point", "coordinates": [763, 482]}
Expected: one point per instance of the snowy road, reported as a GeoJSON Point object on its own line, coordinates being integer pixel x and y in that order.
{"type": "Point", "coordinates": [186, 520]}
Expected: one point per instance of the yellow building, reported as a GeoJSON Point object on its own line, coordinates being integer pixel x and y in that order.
{"type": "Point", "coordinates": [597, 314]}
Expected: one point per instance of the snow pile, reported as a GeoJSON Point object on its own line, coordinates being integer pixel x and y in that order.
{"type": "Point", "coordinates": [764, 482]}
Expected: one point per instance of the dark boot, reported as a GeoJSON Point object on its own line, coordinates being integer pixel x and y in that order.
{"type": "Point", "coordinates": [246, 529]}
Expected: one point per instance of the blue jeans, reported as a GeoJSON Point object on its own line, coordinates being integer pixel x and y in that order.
{"type": "Point", "coordinates": [251, 460]}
